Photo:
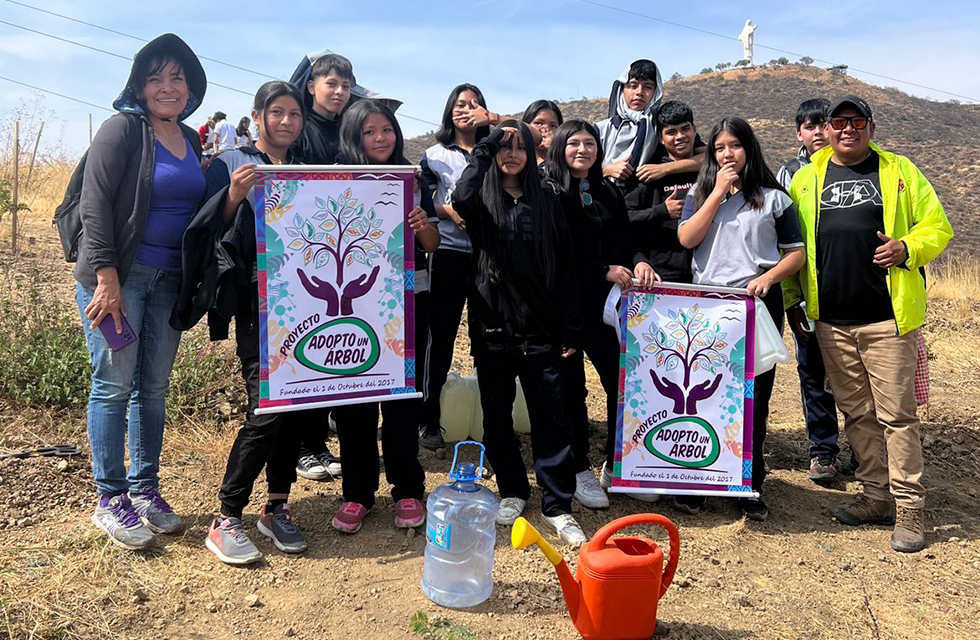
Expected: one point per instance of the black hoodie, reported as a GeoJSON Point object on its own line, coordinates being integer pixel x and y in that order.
{"type": "Point", "coordinates": [520, 314]}
{"type": "Point", "coordinates": [653, 231]}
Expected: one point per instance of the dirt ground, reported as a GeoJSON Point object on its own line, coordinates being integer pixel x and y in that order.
{"type": "Point", "coordinates": [800, 575]}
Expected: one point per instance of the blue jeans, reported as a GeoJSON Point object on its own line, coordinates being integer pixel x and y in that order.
{"type": "Point", "coordinates": [136, 377]}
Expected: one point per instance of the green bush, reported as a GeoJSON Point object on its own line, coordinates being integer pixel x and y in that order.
{"type": "Point", "coordinates": [42, 350]}
{"type": "Point", "coordinates": [46, 363]}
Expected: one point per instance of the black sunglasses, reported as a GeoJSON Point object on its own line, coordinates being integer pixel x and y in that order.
{"type": "Point", "coordinates": [839, 123]}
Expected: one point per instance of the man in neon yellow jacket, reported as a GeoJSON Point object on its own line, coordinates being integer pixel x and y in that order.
{"type": "Point", "coordinates": [870, 220]}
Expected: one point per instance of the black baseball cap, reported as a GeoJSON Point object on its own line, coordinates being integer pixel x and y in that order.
{"type": "Point", "coordinates": [856, 103]}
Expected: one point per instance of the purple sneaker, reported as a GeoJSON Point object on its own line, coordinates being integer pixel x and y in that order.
{"type": "Point", "coordinates": [115, 515]}
{"type": "Point", "coordinates": [154, 511]}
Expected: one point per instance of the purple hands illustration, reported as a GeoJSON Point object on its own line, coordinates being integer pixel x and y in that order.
{"type": "Point", "coordinates": [700, 392]}
{"type": "Point", "coordinates": [355, 289]}
{"type": "Point", "coordinates": [321, 289]}
{"type": "Point", "coordinates": [669, 389]}
{"type": "Point", "coordinates": [344, 304]}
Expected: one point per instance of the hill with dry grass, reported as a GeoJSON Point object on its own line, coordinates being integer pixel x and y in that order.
{"type": "Point", "coordinates": [940, 137]}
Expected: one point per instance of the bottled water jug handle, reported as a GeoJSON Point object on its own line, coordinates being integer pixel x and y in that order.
{"type": "Point", "coordinates": [479, 470]}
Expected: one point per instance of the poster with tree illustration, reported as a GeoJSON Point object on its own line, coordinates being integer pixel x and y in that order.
{"type": "Point", "coordinates": [336, 277]}
{"type": "Point", "coordinates": [684, 424]}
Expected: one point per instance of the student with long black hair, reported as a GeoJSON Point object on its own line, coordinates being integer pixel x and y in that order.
{"type": "Point", "coordinates": [744, 230]}
{"type": "Point", "coordinates": [527, 319]}
{"type": "Point", "coordinates": [465, 121]}
{"type": "Point", "coordinates": [370, 134]}
{"type": "Point", "coordinates": [268, 441]}
{"type": "Point", "coordinates": [597, 219]}
{"type": "Point", "coordinates": [545, 116]}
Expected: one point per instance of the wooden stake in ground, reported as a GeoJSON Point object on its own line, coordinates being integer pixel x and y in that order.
{"type": "Point", "coordinates": [16, 205]}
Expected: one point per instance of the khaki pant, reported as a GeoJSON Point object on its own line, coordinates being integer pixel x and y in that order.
{"type": "Point", "coordinates": [872, 373]}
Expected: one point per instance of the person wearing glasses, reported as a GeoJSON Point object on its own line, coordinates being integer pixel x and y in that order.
{"type": "Point", "coordinates": [545, 116]}
{"type": "Point", "coordinates": [870, 220]}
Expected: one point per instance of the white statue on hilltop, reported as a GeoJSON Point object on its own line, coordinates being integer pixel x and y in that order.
{"type": "Point", "coordinates": [748, 39]}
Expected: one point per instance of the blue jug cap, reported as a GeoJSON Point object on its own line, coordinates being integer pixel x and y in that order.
{"type": "Point", "coordinates": [467, 471]}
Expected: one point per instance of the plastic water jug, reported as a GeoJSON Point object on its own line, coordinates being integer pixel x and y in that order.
{"type": "Point", "coordinates": [522, 420]}
{"type": "Point", "coordinates": [457, 408]}
{"type": "Point", "coordinates": [460, 536]}
{"type": "Point", "coordinates": [476, 424]}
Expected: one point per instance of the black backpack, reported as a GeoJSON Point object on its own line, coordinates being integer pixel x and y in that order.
{"type": "Point", "coordinates": [67, 217]}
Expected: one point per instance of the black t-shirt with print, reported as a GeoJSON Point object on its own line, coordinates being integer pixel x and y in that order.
{"type": "Point", "coordinates": [853, 289]}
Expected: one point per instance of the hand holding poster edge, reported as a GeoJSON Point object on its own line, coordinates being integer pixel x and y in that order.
{"type": "Point", "coordinates": [346, 232]}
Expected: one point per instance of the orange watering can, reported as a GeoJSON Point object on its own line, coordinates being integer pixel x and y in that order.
{"type": "Point", "coordinates": [620, 580]}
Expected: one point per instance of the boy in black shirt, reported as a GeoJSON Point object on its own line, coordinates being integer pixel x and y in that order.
{"type": "Point", "coordinates": [655, 207]}
{"type": "Point", "coordinates": [327, 90]}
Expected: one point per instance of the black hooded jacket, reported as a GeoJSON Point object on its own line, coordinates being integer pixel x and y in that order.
{"type": "Point", "coordinates": [119, 165]}
{"type": "Point", "coordinates": [320, 140]}
{"type": "Point", "coordinates": [519, 314]}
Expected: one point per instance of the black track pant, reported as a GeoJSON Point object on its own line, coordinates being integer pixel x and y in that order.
{"type": "Point", "coordinates": [551, 438]}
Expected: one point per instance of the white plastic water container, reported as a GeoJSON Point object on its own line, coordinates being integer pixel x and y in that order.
{"type": "Point", "coordinates": [522, 420]}
{"type": "Point", "coordinates": [460, 535]}
{"type": "Point", "coordinates": [476, 419]}
{"type": "Point", "coordinates": [457, 408]}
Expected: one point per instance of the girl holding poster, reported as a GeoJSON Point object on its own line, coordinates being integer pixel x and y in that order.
{"type": "Point", "coordinates": [268, 441]}
{"type": "Point", "coordinates": [527, 319]}
{"type": "Point", "coordinates": [370, 134]}
{"type": "Point", "coordinates": [745, 233]}
{"type": "Point", "coordinates": [596, 215]}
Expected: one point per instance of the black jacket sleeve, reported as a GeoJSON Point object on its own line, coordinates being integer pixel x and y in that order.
{"type": "Point", "coordinates": [466, 196]}
{"type": "Point", "coordinates": [108, 160]}
{"type": "Point", "coordinates": [567, 285]}
{"type": "Point", "coordinates": [429, 179]}
{"type": "Point", "coordinates": [647, 209]}
{"type": "Point", "coordinates": [622, 251]}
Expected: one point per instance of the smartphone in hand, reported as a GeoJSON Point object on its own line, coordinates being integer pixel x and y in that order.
{"type": "Point", "coordinates": [115, 340]}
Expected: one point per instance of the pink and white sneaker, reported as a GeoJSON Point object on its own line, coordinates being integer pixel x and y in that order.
{"type": "Point", "coordinates": [349, 517]}
{"type": "Point", "coordinates": [409, 513]}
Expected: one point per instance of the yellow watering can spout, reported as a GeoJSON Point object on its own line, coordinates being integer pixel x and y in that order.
{"type": "Point", "coordinates": [523, 535]}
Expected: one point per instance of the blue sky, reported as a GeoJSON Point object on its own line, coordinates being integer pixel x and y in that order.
{"type": "Point", "coordinates": [515, 51]}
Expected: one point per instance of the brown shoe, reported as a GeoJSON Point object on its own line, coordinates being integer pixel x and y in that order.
{"type": "Point", "coordinates": [864, 510]}
{"type": "Point", "coordinates": [909, 535]}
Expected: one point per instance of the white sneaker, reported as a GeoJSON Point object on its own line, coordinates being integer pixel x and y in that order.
{"type": "Point", "coordinates": [509, 510]}
{"type": "Point", "coordinates": [568, 529]}
{"type": "Point", "coordinates": [588, 492]}
{"type": "Point", "coordinates": [605, 479]}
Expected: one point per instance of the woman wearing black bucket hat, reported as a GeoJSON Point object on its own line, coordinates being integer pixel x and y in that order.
{"type": "Point", "coordinates": [142, 184]}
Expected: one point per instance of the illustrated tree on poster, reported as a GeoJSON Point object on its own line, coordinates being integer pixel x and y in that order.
{"type": "Point", "coordinates": [339, 233]}
{"type": "Point", "coordinates": [688, 340]}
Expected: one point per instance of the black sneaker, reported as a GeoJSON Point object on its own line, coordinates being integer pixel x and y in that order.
{"type": "Point", "coordinates": [279, 527]}
{"type": "Point", "coordinates": [690, 504]}
{"type": "Point", "coordinates": [430, 437]}
{"type": "Point", "coordinates": [311, 468]}
{"type": "Point", "coordinates": [330, 462]}
{"type": "Point", "coordinates": [754, 508]}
